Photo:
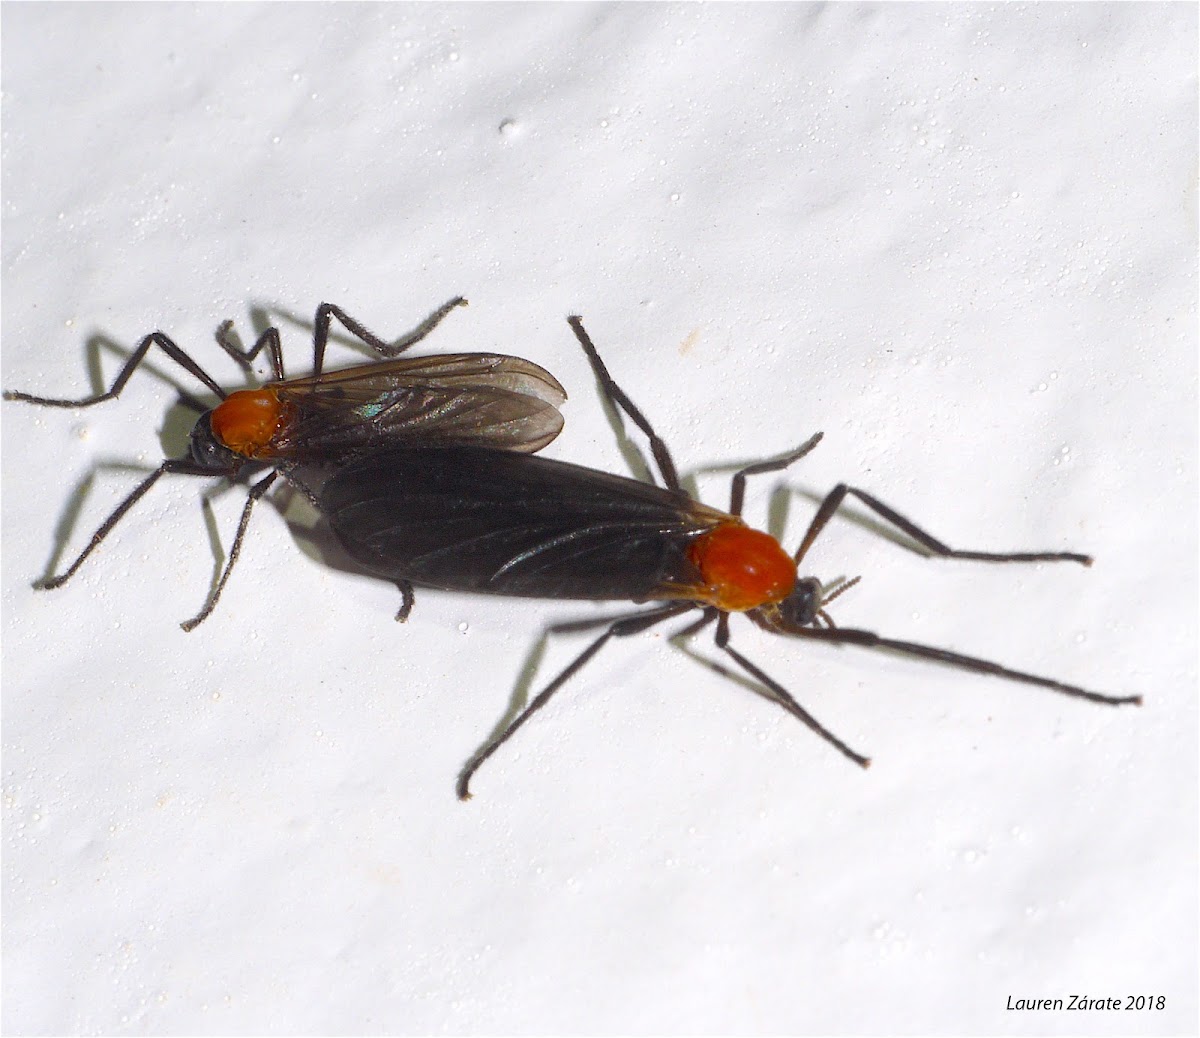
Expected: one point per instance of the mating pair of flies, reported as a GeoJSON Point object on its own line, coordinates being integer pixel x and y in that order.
{"type": "Point", "coordinates": [425, 470]}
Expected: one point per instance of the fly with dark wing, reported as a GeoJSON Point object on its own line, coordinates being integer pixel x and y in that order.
{"type": "Point", "coordinates": [302, 427]}
{"type": "Point", "coordinates": [485, 522]}
{"type": "Point", "coordinates": [472, 519]}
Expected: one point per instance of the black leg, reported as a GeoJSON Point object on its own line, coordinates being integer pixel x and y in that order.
{"type": "Point", "coordinates": [783, 697]}
{"type": "Point", "coordinates": [172, 466]}
{"type": "Point", "coordinates": [256, 492]}
{"type": "Point", "coordinates": [618, 398]}
{"type": "Point", "coordinates": [682, 640]}
{"type": "Point", "coordinates": [327, 311]}
{"type": "Point", "coordinates": [136, 358]}
{"type": "Point", "coordinates": [407, 600]}
{"type": "Point", "coordinates": [737, 491]}
{"type": "Point", "coordinates": [694, 628]}
{"type": "Point", "coordinates": [869, 639]}
{"type": "Point", "coordinates": [927, 541]}
{"type": "Point", "coordinates": [617, 629]}
{"type": "Point", "coordinates": [269, 340]}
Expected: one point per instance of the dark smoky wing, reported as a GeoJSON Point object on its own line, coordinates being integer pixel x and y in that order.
{"type": "Point", "coordinates": [494, 522]}
{"type": "Point", "coordinates": [487, 400]}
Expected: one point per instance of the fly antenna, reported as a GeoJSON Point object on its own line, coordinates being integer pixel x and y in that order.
{"type": "Point", "coordinates": [836, 589]}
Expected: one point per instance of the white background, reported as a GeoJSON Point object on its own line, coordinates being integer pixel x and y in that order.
{"type": "Point", "coordinates": [958, 239]}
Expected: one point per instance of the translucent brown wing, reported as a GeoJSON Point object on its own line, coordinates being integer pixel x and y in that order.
{"type": "Point", "coordinates": [457, 371]}
{"type": "Point", "coordinates": [462, 399]}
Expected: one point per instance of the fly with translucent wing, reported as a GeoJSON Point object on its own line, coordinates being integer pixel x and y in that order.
{"type": "Point", "coordinates": [476, 520]}
{"type": "Point", "coordinates": [302, 427]}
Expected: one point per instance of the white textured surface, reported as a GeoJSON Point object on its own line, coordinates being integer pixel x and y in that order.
{"type": "Point", "coordinates": [960, 239]}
